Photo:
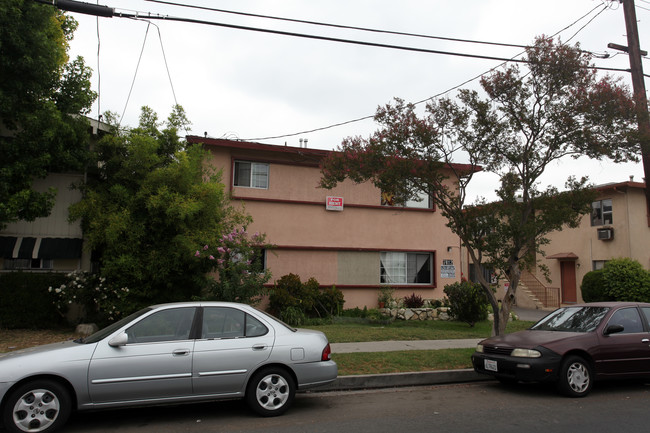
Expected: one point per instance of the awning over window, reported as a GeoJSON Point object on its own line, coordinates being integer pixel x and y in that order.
{"type": "Point", "coordinates": [60, 248]}
{"type": "Point", "coordinates": [563, 256]}
{"type": "Point", "coordinates": [40, 248]}
{"type": "Point", "coordinates": [7, 244]}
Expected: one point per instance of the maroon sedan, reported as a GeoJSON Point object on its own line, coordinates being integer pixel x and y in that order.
{"type": "Point", "coordinates": [573, 346]}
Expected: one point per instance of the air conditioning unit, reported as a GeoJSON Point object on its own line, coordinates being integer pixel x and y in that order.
{"type": "Point", "coordinates": [606, 234]}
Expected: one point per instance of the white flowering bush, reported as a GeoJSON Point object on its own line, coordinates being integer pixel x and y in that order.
{"type": "Point", "coordinates": [97, 299]}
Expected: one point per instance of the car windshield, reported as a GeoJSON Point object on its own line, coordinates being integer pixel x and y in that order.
{"type": "Point", "coordinates": [572, 319]}
{"type": "Point", "coordinates": [102, 333]}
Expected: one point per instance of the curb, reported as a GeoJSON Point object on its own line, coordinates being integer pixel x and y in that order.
{"type": "Point", "coordinates": [393, 380]}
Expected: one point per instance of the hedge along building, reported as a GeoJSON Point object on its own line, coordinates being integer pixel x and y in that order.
{"type": "Point", "coordinates": [349, 236]}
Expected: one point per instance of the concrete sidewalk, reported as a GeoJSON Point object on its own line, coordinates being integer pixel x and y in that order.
{"type": "Point", "coordinates": [374, 381]}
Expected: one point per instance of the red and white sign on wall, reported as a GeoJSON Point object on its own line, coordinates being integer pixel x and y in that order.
{"type": "Point", "coordinates": [334, 203]}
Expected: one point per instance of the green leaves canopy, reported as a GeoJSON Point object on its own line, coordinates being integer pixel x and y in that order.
{"type": "Point", "coordinates": [41, 98]}
{"type": "Point", "coordinates": [147, 205]}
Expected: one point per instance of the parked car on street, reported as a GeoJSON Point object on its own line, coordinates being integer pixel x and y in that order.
{"type": "Point", "coordinates": [164, 354]}
{"type": "Point", "coordinates": [573, 346]}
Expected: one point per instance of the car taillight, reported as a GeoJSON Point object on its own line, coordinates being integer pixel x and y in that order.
{"type": "Point", "coordinates": [327, 353]}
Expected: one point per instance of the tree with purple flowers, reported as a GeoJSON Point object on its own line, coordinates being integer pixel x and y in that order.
{"type": "Point", "coordinates": [237, 259]}
{"type": "Point", "coordinates": [528, 118]}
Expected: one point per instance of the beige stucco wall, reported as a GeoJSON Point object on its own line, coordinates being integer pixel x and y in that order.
{"type": "Point", "coordinates": [56, 225]}
{"type": "Point", "coordinates": [631, 237]}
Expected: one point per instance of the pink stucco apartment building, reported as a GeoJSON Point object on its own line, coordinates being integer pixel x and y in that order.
{"type": "Point", "coordinates": [344, 237]}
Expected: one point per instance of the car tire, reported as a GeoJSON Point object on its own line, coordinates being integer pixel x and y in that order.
{"type": "Point", "coordinates": [39, 406]}
{"type": "Point", "coordinates": [576, 378]}
{"type": "Point", "coordinates": [270, 392]}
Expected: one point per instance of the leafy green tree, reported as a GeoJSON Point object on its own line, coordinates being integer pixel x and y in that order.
{"type": "Point", "coordinates": [528, 120]}
{"type": "Point", "coordinates": [42, 94]}
{"type": "Point", "coordinates": [626, 280]}
{"type": "Point", "coordinates": [147, 204]}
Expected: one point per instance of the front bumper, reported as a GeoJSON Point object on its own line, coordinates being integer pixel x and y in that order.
{"type": "Point", "coordinates": [542, 369]}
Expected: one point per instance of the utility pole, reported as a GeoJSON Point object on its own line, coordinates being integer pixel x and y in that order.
{"type": "Point", "coordinates": [638, 85]}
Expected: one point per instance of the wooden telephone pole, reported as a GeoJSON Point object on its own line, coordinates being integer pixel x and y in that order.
{"type": "Point", "coordinates": [638, 85]}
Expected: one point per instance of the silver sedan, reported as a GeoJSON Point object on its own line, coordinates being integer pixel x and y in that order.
{"type": "Point", "coordinates": [171, 353]}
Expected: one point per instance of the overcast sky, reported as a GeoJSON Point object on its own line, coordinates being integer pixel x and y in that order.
{"type": "Point", "coordinates": [240, 84]}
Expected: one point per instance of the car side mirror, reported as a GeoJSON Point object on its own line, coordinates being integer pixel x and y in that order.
{"type": "Point", "coordinates": [119, 340]}
{"type": "Point", "coordinates": [613, 329]}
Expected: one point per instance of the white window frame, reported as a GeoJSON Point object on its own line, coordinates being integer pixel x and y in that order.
{"type": "Point", "coordinates": [403, 268]}
{"type": "Point", "coordinates": [597, 265]}
{"type": "Point", "coordinates": [600, 217]}
{"type": "Point", "coordinates": [258, 178]}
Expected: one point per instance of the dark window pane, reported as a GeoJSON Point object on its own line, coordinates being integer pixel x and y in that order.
{"type": "Point", "coordinates": [166, 325]}
{"type": "Point", "coordinates": [242, 174]}
{"type": "Point", "coordinates": [220, 322]}
{"type": "Point", "coordinates": [629, 318]}
{"type": "Point", "coordinates": [254, 328]}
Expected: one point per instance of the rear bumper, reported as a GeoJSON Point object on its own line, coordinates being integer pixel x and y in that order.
{"type": "Point", "coordinates": [314, 374]}
{"type": "Point", "coordinates": [543, 369]}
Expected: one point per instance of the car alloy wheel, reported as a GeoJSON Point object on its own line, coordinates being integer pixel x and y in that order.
{"type": "Point", "coordinates": [575, 377]}
{"type": "Point", "coordinates": [40, 406]}
{"type": "Point", "coordinates": [270, 392]}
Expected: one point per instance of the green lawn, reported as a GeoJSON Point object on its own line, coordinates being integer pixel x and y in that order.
{"type": "Point", "coordinates": [352, 331]}
{"type": "Point", "coordinates": [402, 362]}
{"type": "Point", "coordinates": [410, 360]}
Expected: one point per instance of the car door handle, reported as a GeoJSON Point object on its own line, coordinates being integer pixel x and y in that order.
{"type": "Point", "coordinates": [181, 352]}
{"type": "Point", "coordinates": [259, 347]}
{"type": "Point", "coordinates": [645, 340]}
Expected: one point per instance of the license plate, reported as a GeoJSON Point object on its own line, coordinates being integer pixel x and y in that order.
{"type": "Point", "coordinates": [490, 365]}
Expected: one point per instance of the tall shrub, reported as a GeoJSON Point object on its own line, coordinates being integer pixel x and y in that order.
{"type": "Point", "coordinates": [626, 280]}
{"type": "Point", "coordinates": [293, 301]}
{"type": "Point", "coordinates": [467, 302]}
{"type": "Point", "coordinates": [237, 258]}
{"type": "Point", "coordinates": [593, 287]}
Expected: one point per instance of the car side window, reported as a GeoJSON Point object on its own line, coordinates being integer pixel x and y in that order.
{"type": "Point", "coordinates": [166, 325]}
{"type": "Point", "coordinates": [224, 322]}
{"type": "Point", "coordinates": [629, 318]}
{"type": "Point", "coordinates": [255, 328]}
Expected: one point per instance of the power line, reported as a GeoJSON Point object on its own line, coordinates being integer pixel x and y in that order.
{"type": "Point", "coordinates": [315, 37]}
{"type": "Point", "coordinates": [135, 74]}
{"type": "Point", "coordinates": [338, 26]}
{"type": "Point", "coordinates": [441, 93]}
{"type": "Point", "coordinates": [75, 6]}
{"type": "Point", "coordinates": [86, 8]}
{"type": "Point", "coordinates": [148, 16]}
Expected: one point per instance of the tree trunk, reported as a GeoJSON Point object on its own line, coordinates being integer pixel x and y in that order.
{"type": "Point", "coordinates": [508, 299]}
